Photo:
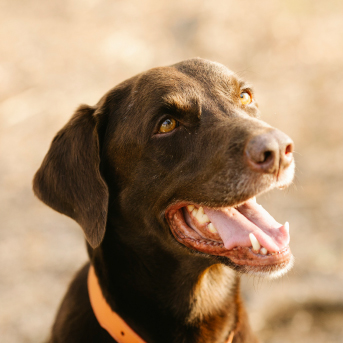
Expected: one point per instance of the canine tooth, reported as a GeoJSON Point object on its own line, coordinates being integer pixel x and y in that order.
{"type": "Point", "coordinates": [194, 212]}
{"type": "Point", "coordinates": [263, 251]}
{"type": "Point", "coordinates": [254, 242]}
{"type": "Point", "coordinates": [190, 208]}
{"type": "Point", "coordinates": [211, 228]}
{"type": "Point", "coordinates": [286, 226]}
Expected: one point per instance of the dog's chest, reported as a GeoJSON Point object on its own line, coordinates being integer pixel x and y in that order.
{"type": "Point", "coordinates": [213, 303]}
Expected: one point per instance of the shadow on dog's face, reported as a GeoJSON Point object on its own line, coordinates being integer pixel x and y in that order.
{"type": "Point", "coordinates": [182, 157]}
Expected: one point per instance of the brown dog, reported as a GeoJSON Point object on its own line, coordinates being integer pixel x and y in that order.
{"type": "Point", "coordinates": [162, 176]}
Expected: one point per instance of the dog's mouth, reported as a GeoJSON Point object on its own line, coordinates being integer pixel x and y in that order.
{"type": "Point", "coordinates": [246, 234]}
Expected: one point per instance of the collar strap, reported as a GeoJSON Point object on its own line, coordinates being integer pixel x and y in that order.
{"type": "Point", "coordinates": [111, 321]}
{"type": "Point", "coordinates": [107, 318]}
{"type": "Point", "coordinates": [230, 339]}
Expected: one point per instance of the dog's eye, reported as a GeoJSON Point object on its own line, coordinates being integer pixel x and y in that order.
{"type": "Point", "coordinates": [168, 125]}
{"type": "Point", "coordinates": [245, 98]}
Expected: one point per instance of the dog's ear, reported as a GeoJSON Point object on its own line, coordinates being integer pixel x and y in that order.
{"type": "Point", "coordinates": [69, 178]}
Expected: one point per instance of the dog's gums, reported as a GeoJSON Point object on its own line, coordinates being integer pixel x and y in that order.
{"type": "Point", "coordinates": [246, 234]}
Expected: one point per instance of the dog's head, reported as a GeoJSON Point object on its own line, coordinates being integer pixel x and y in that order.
{"type": "Point", "coordinates": [178, 154]}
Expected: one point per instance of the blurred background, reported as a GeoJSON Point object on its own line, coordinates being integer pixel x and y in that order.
{"type": "Point", "coordinates": [57, 54]}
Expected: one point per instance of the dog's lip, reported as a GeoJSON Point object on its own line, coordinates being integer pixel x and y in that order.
{"type": "Point", "coordinates": [246, 256]}
{"type": "Point", "coordinates": [241, 254]}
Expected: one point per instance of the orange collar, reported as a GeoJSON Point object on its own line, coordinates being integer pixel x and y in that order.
{"type": "Point", "coordinates": [108, 319]}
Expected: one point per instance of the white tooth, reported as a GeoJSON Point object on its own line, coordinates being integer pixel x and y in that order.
{"type": "Point", "coordinates": [204, 219]}
{"type": "Point", "coordinates": [211, 228]}
{"type": "Point", "coordinates": [253, 199]}
{"type": "Point", "coordinates": [201, 217]}
{"type": "Point", "coordinates": [263, 251]}
{"type": "Point", "coordinates": [254, 242]}
{"type": "Point", "coordinates": [286, 226]}
{"type": "Point", "coordinates": [201, 211]}
{"type": "Point", "coordinates": [194, 212]}
{"type": "Point", "coordinates": [190, 208]}
{"type": "Point", "coordinates": [198, 214]}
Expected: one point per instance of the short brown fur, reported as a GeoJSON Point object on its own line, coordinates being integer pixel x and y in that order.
{"type": "Point", "coordinates": [111, 171]}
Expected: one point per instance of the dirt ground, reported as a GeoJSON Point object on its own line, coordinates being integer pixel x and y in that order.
{"type": "Point", "coordinates": [55, 55]}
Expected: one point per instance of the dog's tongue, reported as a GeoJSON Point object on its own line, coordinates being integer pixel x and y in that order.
{"type": "Point", "coordinates": [235, 224]}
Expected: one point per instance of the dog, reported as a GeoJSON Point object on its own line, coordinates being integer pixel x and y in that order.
{"type": "Point", "coordinates": [162, 175]}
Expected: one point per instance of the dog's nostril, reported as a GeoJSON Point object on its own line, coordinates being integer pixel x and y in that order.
{"type": "Point", "coordinates": [286, 157]}
{"type": "Point", "coordinates": [262, 152]}
{"type": "Point", "coordinates": [289, 149]}
{"type": "Point", "coordinates": [269, 152]}
{"type": "Point", "coordinates": [267, 156]}
{"type": "Point", "coordinates": [261, 157]}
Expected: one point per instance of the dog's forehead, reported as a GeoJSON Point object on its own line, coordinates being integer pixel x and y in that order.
{"type": "Point", "coordinates": [207, 71]}
{"type": "Point", "coordinates": [186, 82]}
{"type": "Point", "coordinates": [191, 74]}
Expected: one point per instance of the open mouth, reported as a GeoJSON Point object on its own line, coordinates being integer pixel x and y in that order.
{"type": "Point", "coordinates": [246, 234]}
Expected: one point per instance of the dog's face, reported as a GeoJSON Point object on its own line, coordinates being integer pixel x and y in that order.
{"type": "Point", "coordinates": [182, 155]}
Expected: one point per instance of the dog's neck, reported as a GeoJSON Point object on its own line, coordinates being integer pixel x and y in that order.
{"type": "Point", "coordinates": [122, 333]}
{"type": "Point", "coordinates": [190, 300]}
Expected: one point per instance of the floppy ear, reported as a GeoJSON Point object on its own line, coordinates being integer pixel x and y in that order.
{"type": "Point", "coordinates": [69, 178]}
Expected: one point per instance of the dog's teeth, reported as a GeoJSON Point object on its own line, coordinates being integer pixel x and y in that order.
{"type": "Point", "coordinates": [254, 242]}
{"type": "Point", "coordinates": [211, 228]}
{"type": "Point", "coordinates": [263, 251]}
{"type": "Point", "coordinates": [201, 211]}
{"type": "Point", "coordinates": [286, 226]}
{"type": "Point", "coordinates": [190, 208]}
{"type": "Point", "coordinates": [205, 219]}
{"type": "Point", "coordinates": [201, 217]}
{"type": "Point", "coordinates": [199, 214]}
{"type": "Point", "coordinates": [253, 199]}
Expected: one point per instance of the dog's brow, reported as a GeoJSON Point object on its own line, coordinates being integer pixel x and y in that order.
{"type": "Point", "coordinates": [245, 85]}
{"type": "Point", "coordinates": [181, 102]}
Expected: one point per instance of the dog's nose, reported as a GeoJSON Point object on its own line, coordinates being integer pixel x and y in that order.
{"type": "Point", "coordinates": [270, 152]}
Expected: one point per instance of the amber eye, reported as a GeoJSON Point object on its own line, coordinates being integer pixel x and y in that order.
{"type": "Point", "coordinates": [245, 98]}
{"type": "Point", "coordinates": [168, 125]}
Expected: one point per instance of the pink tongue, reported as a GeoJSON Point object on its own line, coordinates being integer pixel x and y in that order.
{"type": "Point", "coordinates": [235, 224]}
